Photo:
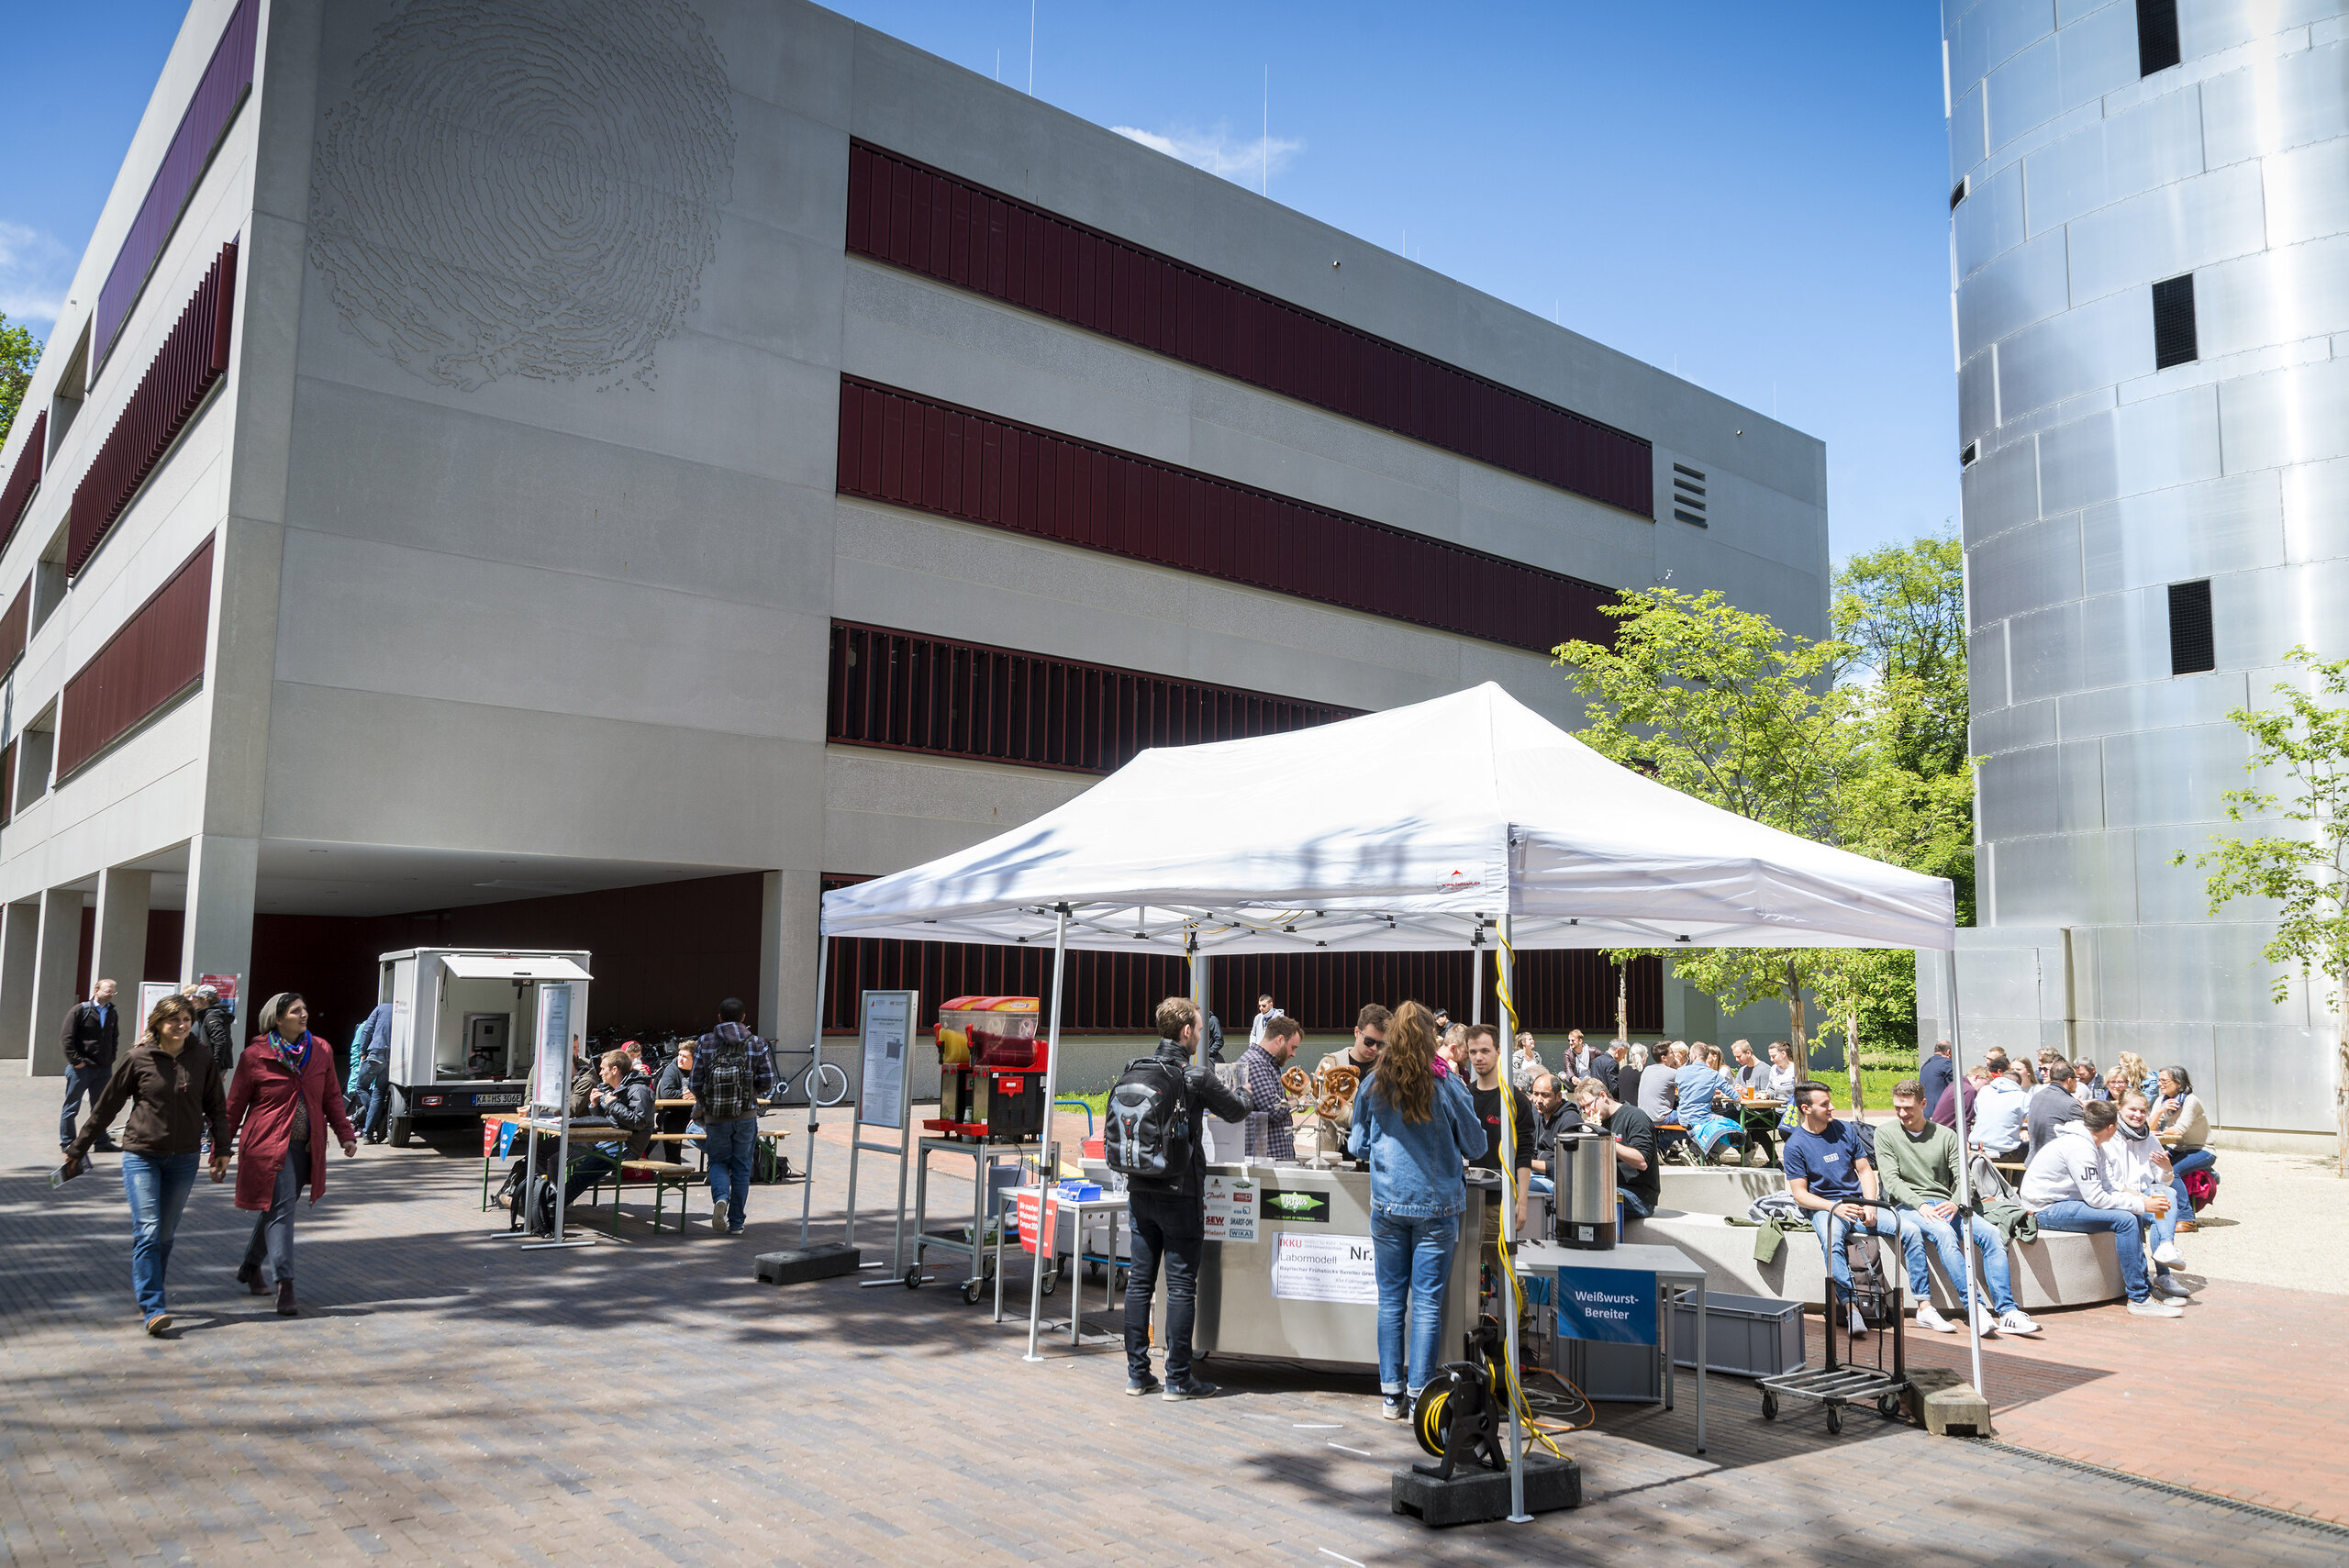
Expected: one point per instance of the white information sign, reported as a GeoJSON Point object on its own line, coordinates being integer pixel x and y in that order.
{"type": "Point", "coordinates": [149, 993]}
{"type": "Point", "coordinates": [1324, 1268]}
{"type": "Point", "coordinates": [888, 1025]}
{"type": "Point", "coordinates": [550, 1061]}
{"type": "Point", "coordinates": [1231, 1208]}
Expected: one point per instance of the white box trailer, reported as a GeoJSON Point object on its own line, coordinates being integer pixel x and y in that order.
{"type": "Point", "coordinates": [463, 1022]}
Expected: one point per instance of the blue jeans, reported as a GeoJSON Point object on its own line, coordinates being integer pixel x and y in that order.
{"type": "Point", "coordinates": [370, 1086]}
{"type": "Point", "coordinates": [1412, 1258]}
{"type": "Point", "coordinates": [1172, 1230]}
{"type": "Point", "coordinates": [157, 1186]}
{"type": "Point", "coordinates": [2128, 1237]}
{"type": "Point", "coordinates": [2183, 1208]}
{"type": "Point", "coordinates": [1884, 1223]}
{"type": "Point", "coordinates": [80, 1083]}
{"type": "Point", "coordinates": [1997, 1278]}
{"type": "Point", "coordinates": [730, 1145]}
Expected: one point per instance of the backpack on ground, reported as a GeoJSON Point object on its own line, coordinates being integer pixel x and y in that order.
{"type": "Point", "coordinates": [538, 1218]}
{"type": "Point", "coordinates": [733, 1094]}
{"type": "Point", "coordinates": [2201, 1187]}
{"type": "Point", "coordinates": [1146, 1131]}
{"type": "Point", "coordinates": [1871, 1290]}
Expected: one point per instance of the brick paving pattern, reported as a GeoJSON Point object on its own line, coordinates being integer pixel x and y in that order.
{"type": "Point", "coordinates": [449, 1398]}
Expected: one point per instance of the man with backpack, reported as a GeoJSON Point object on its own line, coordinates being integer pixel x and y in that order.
{"type": "Point", "coordinates": [733, 1072]}
{"type": "Point", "coordinates": [1151, 1136]}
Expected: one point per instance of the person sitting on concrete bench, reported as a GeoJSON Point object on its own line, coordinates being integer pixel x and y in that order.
{"type": "Point", "coordinates": [2135, 1162]}
{"type": "Point", "coordinates": [2066, 1187]}
{"type": "Point", "coordinates": [1918, 1162]}
{"type": "Point", "coordinates": [1831, 1176]}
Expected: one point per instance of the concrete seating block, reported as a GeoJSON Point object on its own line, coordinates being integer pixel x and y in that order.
{"type": "Point", "coordinates": [2063, 1268]}
{"type": "Point", "coordinates": [1945, 1404]}
{"type": "Point", "coordinates": [1721, 1189]}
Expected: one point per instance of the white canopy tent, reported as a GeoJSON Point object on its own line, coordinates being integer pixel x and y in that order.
{"type": "Point", "coordinates": [1420, 827]}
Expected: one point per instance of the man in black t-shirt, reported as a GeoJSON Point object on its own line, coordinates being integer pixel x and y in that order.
{"type": "Point", "coordinates": [1485, 1060]}
{"type": "Point", "coordinates": [1637, 1181]}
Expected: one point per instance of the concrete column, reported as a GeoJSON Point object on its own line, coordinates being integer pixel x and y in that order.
{"type": "Point", "coordinates": [119, 953]}
{"type": "Point", "coordinates": [20, 952]}
{"type": "Point", "coordinates": [789, 911]}
{"type": "Point", "coordinates": [218, 936]}
{"type": "Point", "coordinates": [58, 952]}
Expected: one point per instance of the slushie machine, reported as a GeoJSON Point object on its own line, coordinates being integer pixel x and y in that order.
{"type": "Point", "coordinates": [990, 1070]}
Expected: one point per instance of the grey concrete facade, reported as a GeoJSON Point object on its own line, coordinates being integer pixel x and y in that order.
{"type": "Point", "coordinates": [2090, 168]}
{"type": "Point", "coordinates": [526, 586]}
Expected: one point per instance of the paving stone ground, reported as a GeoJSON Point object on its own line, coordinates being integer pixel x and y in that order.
{"type": "Point", "coordinates": [447, 1397]}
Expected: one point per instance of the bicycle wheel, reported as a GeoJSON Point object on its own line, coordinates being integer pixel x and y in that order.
{"type": "Point", "coordinates": [828, 1086]}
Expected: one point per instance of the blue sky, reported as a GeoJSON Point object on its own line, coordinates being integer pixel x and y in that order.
{"type": "Point", "coordinates": [1754, 197]}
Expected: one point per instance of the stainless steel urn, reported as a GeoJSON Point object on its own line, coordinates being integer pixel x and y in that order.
{"type": "Point", "coordinates": [1586, 1190]}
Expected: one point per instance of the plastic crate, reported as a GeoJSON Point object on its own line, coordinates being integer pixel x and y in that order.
{"type": "Point", "coordinates": [1745, 1336]}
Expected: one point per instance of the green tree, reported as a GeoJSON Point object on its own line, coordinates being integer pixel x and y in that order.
{"type": "Point", "coordinates": [2302, 872]}
{"type": "Point", "coordinates": [1902, 609]}
{"type": "Point", "coordinates": [19, 351]}
{"type": "Point", "coordinates": [1719, 703]}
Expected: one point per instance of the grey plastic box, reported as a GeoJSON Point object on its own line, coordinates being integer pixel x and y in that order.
{"type": "Point", "coordinates": [1745, 1336]}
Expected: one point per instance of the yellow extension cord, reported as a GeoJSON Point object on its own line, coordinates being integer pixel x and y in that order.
{"type": "Point", "coordinates": [1518, 1406]}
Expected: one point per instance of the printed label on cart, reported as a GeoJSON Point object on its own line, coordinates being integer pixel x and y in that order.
{"type": "Point", "coordinates": [1324, 1268]}
{"type": "Point", "coordinates": [1303, 1204]}
{"type": "Point", "coordinates": [1614, 1304]}
{"type": "Point", "coordinates": [1231, 1208]}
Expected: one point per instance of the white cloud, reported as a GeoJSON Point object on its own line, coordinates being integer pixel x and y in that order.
{"type": "Point", "coordinates": [34, 271]}
{"type": "Point", "coordinates": [1219, 152]}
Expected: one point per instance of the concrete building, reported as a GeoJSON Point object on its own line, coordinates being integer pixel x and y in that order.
{"type": "Point", "coordinates": [487, 466]}
{"type": "Point", "coordinates": [2150, 255]}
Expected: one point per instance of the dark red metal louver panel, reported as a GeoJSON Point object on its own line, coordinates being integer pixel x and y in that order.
{"type": "Point", "coordinates": [932, 223]}
{"type": "Point", "coordinates": [1113, 992]}
{"type": "Point", "coordinates": [934, 457]}
{"type": "Point", "coordinates": [194, 357]}
{"type": "Point", "coordinates": [226, 79]}
{"type": "Point", "coordinates": [23, 479]}
{"type": "Point", "coordinates": [155, 658]}
{"type": "Point", "coordinates": [7, 782]}
{"type": "Point", "coordinates": [902, 692]}
{"type": "Point", "coordinates": [15, 622]}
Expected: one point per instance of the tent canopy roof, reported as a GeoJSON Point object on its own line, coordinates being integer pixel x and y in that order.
{"type": "Point", "coordinates": [1408, 829]}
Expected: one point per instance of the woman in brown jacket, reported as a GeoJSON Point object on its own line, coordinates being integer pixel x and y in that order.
{"type": "Point", "coordinates": [173, 1093]}
{"type": "Point", "coordinates": [285, 1098]}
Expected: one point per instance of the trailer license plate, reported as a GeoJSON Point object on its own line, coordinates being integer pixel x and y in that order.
{"type": "Point", "coordinates": [514, 1099]}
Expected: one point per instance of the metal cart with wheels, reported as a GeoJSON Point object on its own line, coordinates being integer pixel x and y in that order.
{"type": "Point", "coordinates": [1843, 1381]}
{"type": "Point", "coordinates": [986, 1159]}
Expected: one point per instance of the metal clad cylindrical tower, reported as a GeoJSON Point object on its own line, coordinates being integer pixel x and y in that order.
{"type": "Point", "coordinates": [2149, 245]}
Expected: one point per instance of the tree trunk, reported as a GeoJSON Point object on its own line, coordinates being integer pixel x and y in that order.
{"type": "Point", "coordinates": [1794, 1020]}
{"type": "Point", "coordinates": [2340, 1089]}
{"type": "Point", "coordinates": [1623, 1004]}
{"type": "Point", "coordinates": [1851, 1057]}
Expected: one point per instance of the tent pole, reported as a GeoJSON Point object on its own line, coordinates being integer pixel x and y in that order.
{"type": "Point", "coordinates": [1476, 975]}
{"type": "Point", "coordinates": [1506, 970]}
{"type": "Point", "coordinates": [1045, 1238]}
{"type": "Point", "coordinates": [808, 1172]}
{"type": "Point", "coordinates": [1973, 1304]}
{"type": "Point", "coordinates": [1199, 991]}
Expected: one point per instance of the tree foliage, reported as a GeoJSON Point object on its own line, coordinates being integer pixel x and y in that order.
{"type": "Point", "coordinates": [2301, 873]}
{"type": "Point", "coordinates": [19, 351]}
{"type": "Point", "coordinates": [1720, 704]}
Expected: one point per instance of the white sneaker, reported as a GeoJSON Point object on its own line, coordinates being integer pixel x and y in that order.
{"type": "Point", "coordinates": [2168, 1256]}
{"type": "Point", "coordinates": [2164, 1285]}
{"type": "Point", "coordinates": [1986, 1324]}
{"type": "Point", "coordinates": [1928, 1316]}
{"type": "Point", "coordinates": [717, 1215]}
{"type": "Point", "coordinates": [2149, 1307]}
{"type": "Point", "coordinates": [2014, 1320]}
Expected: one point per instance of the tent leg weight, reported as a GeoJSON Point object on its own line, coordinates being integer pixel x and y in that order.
{"type": "Point", "coordinates": [1474, 1496]}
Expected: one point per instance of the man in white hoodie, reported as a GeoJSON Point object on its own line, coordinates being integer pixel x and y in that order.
{"type": "Point", "coordinates": [2067, 1187]}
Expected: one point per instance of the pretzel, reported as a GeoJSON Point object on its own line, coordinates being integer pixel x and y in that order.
{"type": "Point", "coordinates": [1341, 1081]}
{"type": "Point", "coordinates": [1297, 1080]}
{"type": "Point", "coordinates": [1333, 1105]}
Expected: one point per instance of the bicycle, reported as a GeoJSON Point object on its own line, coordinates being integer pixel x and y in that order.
{"type": "Point", "coordinates": [823, 1082]}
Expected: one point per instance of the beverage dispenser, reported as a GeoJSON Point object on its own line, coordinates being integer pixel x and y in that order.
{"type": "Point", "coordinates": [990, 1070]}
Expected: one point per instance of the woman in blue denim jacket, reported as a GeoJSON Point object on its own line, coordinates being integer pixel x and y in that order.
{"type": "Point", "coordinates": [1417, 1129]}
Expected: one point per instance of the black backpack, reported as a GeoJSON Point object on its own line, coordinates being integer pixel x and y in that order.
{"type": "Point", "coordinates": [1871, 1290]}
{"type": "Point", "coordinates": [1146, 1129]}
{"type": "Point", "coordinates": [538, 1218]}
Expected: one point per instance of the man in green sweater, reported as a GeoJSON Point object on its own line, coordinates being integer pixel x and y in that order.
{"type": "Point", "coordinates": [1918, 1159]}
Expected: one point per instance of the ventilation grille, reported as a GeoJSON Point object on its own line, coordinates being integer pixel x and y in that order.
{"type": "Point", "coordinates": [2173, 335]}
{"type": "Point", "coordinates": [2156, 36]}
{"type": "Point", "coordinates": [2190, 647]}
{"type": "Point", "coordinates": [1688, 495]}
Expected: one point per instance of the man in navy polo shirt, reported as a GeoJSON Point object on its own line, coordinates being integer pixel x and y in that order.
{"type": "Point", "coordinates": [1829, 1174]}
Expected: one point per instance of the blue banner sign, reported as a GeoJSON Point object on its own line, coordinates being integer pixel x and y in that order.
{"type": "Point", "coordinates": [1613, 1304]}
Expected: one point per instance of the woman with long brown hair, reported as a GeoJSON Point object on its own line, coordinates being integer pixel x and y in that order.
{"type": "Point", "coordinates": [1417, 1129]}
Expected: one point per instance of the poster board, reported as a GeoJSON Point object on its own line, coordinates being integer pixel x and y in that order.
{"type": "Point", "coordinates": [550, 1047]}
{"type": "Point", "coordinates": [1324, 1268]}
{"type": "Point", "coordinates": [885, 1034]}
{"type": "Point", "coordinates": [149, 993]}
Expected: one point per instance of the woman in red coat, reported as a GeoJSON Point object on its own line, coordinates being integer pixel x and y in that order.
{"type": "Point", "coordinates": [285, 1100]}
